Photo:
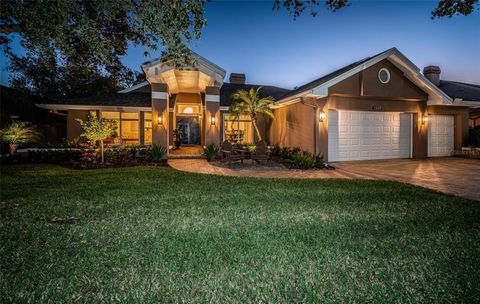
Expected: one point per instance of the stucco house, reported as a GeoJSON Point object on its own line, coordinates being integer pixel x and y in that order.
{"type": "Point", "coordinates": [381, 107]}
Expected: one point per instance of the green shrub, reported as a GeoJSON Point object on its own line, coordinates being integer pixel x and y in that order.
{"type": "Point", "coordinates": [295, 158]}
{"type": "Point", "coordinates": [211, 151]}
{"type": "Point", "coordinates": [156, 153]}
{"type": "Point", "coordinates": [474, 136]}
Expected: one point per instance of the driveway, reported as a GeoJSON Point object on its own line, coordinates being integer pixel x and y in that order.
{"type": "Point", "coordinates": [452, 175]}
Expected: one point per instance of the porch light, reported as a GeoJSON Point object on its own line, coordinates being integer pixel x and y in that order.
{"type": "Point", "coordinates": [213, 120]}
{"type": "Point", "coordinates": [424, 119]}
{"type": "Point", "coordinates": [160, 119]}
{"type": "Point", "coordinates": [321, 116]}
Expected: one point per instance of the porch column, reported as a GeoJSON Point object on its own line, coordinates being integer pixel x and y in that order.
{"type": "Point", "coordinates": [160, 110]}
{"type": "Point", "coordinates": [212, 115]}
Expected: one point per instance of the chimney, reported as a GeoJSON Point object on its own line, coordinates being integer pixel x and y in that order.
{"type": "Point", "coordinates": [432, 73]}
{"type": "Point", "coordinates": [237, 78]}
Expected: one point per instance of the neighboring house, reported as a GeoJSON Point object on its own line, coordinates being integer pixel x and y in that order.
{"type": "Point", "coordinates": [381, 107]}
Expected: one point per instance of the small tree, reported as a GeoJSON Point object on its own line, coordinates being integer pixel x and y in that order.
{"type": "Point", "coordinates": [250, 103]}
{"type": "Point", "coordinates": [98, 129]}
{"type": "Point", "coordinates": [18, 133]}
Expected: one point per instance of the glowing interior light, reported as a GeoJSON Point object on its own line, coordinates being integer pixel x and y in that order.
{"type": "Point", "coordinates": [188, 110]}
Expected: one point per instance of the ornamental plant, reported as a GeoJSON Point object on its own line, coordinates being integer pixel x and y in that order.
{"type": "Point", "coordinates": [250, 103]}
{"type": "Point", "coordinates": [97, 129]}
{"type": "Point", "coordinates": [18, 133]}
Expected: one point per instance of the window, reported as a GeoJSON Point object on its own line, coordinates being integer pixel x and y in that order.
{"type": "Point", "coordinates": [237, 130]}
{"type": "Point", "coordinates": [113, 116]}
{"type": "Point", "coordinates": [188, 109]}
{"type": "Point", "coordinates": [127, 127]}
{"type": "Point", "coordinates": [384, 75]}
{"type": "Point", "coordinates": [147, 129]}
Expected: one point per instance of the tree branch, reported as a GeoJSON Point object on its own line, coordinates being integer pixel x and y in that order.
{"type": "Point", "coordinates": [10, 28]}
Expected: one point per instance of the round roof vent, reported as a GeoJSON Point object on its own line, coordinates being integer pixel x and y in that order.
{"type": "Point", "coordinates": [384, 75]}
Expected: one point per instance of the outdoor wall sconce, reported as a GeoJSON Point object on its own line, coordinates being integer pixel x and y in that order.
{"type": "Point", "coordinates": [212, 120]}
{"type": "Point", "coordinates": [160, 119]}
{"type": "Point", "coordinates": [321, 116]}
{"type": "Point", "coordinates": [424, 119]}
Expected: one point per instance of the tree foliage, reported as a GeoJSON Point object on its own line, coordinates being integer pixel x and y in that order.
{"type": "Point", "coordinates": [45, 77]}
{"type": "Point", "coordinates": [250, 103]}
{"type": "Point", "coordinates": [98, 129]}
{"type": "Point", "coordinates": [19, 133]}
{"type": "Point", "coordinates": [445, 8]}
{"type": "Point", "coordinates": [102, 30]}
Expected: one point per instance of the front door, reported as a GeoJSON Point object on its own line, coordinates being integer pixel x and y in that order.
{"type": "Point", "coordinates": [190, 129]}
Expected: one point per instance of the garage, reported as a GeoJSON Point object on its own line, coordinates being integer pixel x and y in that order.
{"type": "Point", "coordinates": [357, 135]}
{"type": "Point", "coordinates": [440, 135]}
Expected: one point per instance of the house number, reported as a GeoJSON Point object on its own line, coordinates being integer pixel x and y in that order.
{"type": "Point", "coordinates": [376, 108]}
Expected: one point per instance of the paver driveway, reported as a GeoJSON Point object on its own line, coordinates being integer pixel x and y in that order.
{"type": "Point", "coordinates": [453, 175]}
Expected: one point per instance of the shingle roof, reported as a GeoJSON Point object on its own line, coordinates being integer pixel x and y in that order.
{"type": "Point", "coordinates": [465, 91]}
{"type": "Point", "coordinates": [133, 99]}
{"type": "Point", "coordinates": [229, 88]}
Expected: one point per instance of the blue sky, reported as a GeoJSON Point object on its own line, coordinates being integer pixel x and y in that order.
{"type": "Point", "coordinates": [271, 48]}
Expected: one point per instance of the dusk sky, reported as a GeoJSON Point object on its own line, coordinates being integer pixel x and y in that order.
{"type": "Point", "coordinates": [273, 49]}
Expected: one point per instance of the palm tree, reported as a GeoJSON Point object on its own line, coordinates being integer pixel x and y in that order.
{"type": "Point", "coordinates": [18, 133]}
{"type": "Point", "coordinates": [250, 103]}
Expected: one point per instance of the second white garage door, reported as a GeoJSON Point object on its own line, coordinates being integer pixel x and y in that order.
{"type": "Point", "coordinates": [355, 135]}
{"type": "Point", "coordinates": [440, 135]}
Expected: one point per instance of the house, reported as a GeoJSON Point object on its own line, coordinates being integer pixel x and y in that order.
{"type": "Point", "coordinates": [381, 107]}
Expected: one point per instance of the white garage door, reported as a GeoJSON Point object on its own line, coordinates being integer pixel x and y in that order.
{"type": "Point", "coordinates": [354, 135]}
{"type": "Point", "coordinates": [440, 135]}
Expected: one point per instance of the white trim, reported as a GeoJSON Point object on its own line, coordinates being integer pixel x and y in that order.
{"type": "Point", "coordinates": [411, 71]}
{"type": "Point", "coordinates": [212, 98]}
{"type": "Point", "coordinates": [64, 107]}
{"type": "Point", "coordinates": [159, 95]}
{"type": "Point", "coordinates": [133, 88]}
{"type": "Point", "coordinates": [223, 108]}
{"type": "Point", "coordinates": [388, 75]}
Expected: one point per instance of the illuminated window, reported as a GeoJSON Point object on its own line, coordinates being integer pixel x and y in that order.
{"type": "Point", "coordinates": [129, 128]}
{"type": "Point", "coordinates": [237, 130]}
{"type": "Point", "coordinates": [188, 109]}
{"type": "Point", "coordinates": [147, 130]}
{"type": "Point", "coordinates": [113, 116]}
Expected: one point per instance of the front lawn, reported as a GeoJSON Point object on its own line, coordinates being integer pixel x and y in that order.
{"type": "Point", "coordinates": [152, 234]}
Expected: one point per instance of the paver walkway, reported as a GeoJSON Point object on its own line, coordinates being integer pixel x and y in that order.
{"type": "Point", "coordinates": [452, 175]}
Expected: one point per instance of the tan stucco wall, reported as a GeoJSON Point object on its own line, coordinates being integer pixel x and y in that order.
{"type": "Point", "coordinates": [160, 107]}
{"type": "Point", "coordinates": [73, 127]}
{"type": "Point", "coordinates": [293, 126]}
{"type": "Point", "coordinates": [366, 83]}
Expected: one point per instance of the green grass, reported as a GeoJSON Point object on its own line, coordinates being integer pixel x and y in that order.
{"type": "Point", "coordinates": [152, 234]}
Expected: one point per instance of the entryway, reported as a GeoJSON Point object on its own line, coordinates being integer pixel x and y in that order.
{"type": "Point", "coordinates": [190, 129]}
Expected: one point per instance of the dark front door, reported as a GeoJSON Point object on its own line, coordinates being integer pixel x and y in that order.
{"type": "Point", "coordinates": [190, 128]}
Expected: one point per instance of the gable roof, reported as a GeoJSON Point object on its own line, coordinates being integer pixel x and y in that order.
{"type": "Point", "coordinates": [319, 87]}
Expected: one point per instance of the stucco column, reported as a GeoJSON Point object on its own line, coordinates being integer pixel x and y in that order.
{"type": "Point", "coordinates": [160, 108]}
{"type": "Point", "coordinates": [212, 110]}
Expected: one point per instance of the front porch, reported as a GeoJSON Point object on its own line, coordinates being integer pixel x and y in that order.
{"type": "Point", "coordinates": [195, 151]}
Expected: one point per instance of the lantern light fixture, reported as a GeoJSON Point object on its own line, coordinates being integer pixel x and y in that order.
{"type": "Point", "coordinates": [424, 119]}
{"type": "Point", "coordinates": [160, 119]}
{"type": "Point", "coordinates": [321, 116]}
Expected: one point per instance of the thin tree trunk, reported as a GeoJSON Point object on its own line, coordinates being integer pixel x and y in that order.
{"type": "Point", "coordinates": [101, 148]}
{"type": "Point", "coordinates": [12, 148]}
{"type": "Point", "coordinates": [259, 137]}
